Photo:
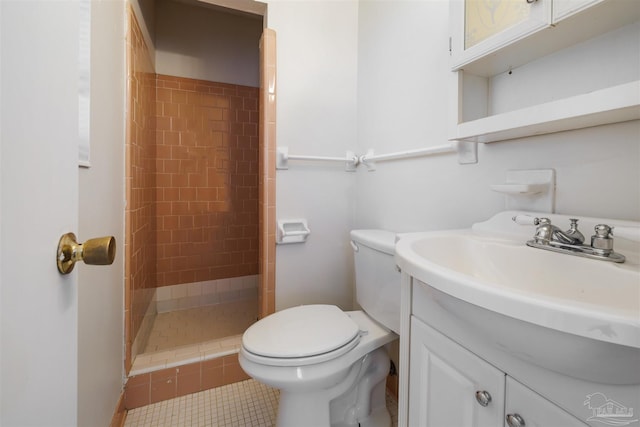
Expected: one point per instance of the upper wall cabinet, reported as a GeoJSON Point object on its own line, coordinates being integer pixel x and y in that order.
{"type": "Point", "coordinates": [529, 67]}
{"type": "Point", "coordinates": [565, 8]}
{"type": "Point", "coordinates": [481, 27]}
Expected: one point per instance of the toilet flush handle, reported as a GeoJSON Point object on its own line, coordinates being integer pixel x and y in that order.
{"type": "Point", "coordinates": [354, 246]}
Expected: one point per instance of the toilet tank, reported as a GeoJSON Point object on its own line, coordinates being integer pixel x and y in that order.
{"type": "Point", "coordinates": [377, 278]}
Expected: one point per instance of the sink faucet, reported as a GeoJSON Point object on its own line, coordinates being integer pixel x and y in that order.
{"type": "Point", "coordinates": [547, 233]}
{"type": "Point", "coordinates": [552, 238]}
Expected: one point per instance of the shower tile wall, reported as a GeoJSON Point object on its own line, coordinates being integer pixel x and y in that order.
{"type": "Point", "coordinates": [210, 292]}
{"type": "Point", "coordinates": [207, 180]}
{"type": "Point", "coordinates": [140, 238]}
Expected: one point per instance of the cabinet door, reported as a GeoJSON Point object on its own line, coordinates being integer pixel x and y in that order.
{"type": "Point", "coordinates": [535, 410]}
{"type": "Point", "coordinates": [480, 27]}
{"type": "Point", "coordinates": [565, 8]}
{"type": "Point", "coordinates": [444, 379]}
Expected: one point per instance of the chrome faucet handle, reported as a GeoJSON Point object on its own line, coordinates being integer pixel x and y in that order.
{"type": "Point", "coordinates": [602, 230]}
{"type": "Point", "coordinates": [544, 231]}
{"type": "Point", "coordinates": [573, 232]}
{"type": "Point", "coordinates": [527, 220]}
{"type": "Point", "coordinates": [602, 241]}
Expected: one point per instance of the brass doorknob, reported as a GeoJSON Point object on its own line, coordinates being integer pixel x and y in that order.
{"type": "Point", "coordinates": [98, 251]}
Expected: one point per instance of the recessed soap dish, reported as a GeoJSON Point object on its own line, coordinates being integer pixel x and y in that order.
{"type": "Point", "coordinates": [524, 189]}
{"type": "Point", "coordinates": [532, 190]}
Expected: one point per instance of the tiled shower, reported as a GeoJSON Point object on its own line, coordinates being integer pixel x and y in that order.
{"type": "Point", "coordinates": [197, 252]}
{"type": "Point", "coordinates": [206, 165]}
{"type": "Point", "coordinates": [206, 211]}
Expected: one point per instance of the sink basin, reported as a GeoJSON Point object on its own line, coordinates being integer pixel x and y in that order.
{"type": "Point", "coordinates": [561, 312]}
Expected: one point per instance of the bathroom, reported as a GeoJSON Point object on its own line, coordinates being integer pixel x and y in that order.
{"type": "Point", "coordinates": [362, 75]}
{"type": "Point", "coordinates": [356, 97]}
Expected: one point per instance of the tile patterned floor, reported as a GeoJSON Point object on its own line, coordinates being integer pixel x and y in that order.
{"type": "Point", "coordinates": [194, 335]}
{"type": "Point", "coordinates": [244, 404]}
{"type": "Point", "coordinates": [195, 325]}
{"type": "Point", "coordinates": [247, 403]}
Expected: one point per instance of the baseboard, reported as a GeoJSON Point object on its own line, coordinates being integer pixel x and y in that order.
{"type": "Point", "coordinates": [120, 413]}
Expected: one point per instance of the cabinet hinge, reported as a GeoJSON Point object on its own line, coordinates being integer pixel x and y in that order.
{"type": "Point", "coordinates": [450, 46]}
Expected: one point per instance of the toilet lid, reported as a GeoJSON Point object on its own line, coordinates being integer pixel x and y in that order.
{"type": "Point", "coordinates": [302, 331]}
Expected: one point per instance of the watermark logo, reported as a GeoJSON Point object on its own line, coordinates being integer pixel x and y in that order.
{"type": "Point", "coordinates": [608, 411]}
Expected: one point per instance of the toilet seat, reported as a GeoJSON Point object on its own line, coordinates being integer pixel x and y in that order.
{"type": "Point", "coordinates": [300, 336]}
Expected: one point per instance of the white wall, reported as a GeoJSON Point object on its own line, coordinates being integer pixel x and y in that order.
{"type": "Point", "coordinates": [402, 104]}
{"type": "Point", "coordinates": [101, 288]}
{"type": "Point", "coordinates": [316, 115]}
{"type": "Point", "coordinates": [402, 77]}
{"type": "Point", "coordinates": [202, 43]}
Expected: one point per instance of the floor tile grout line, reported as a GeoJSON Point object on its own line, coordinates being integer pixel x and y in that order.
{"type": "Point", "coordinates": [246, 401]}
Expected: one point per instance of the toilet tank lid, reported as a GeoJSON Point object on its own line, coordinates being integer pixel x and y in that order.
{"type": "Point", "coordinates": [380, 240]}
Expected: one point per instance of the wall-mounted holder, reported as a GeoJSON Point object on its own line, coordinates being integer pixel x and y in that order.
{"type": "Point", "coordinates": [530, 190]}
{"type": "Point", "coordinates": [292, 231]}
{"type": "Point", "coordinates": [467, 154]}
{"type": "Point", "coordinates": [282, 159]}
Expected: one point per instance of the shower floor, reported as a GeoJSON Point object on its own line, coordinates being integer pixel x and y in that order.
{"type": "Point", "coordinates": [196, 325]}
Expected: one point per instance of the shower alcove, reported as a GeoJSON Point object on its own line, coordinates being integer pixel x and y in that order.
{"type": "Point", "coordinates": [198, 271]}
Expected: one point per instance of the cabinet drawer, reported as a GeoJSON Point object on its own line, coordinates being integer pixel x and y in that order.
{"type": "Point", "coordinates": [535, 410]}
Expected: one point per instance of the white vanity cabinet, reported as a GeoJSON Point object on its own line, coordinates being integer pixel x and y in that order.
{"type": "Point", "coordinates": [448, 385]}
{"type": "Point", "coordinates": [530, 67]}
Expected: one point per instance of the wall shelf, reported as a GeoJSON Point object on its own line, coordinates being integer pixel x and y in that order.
{"type": "Point", "coordinates": [581, 71]}
{"type": "Point", "coordinates": [611, 105]}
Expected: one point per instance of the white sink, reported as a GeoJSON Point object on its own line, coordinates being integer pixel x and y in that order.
{"type": "Point", "coordinates": [562, 312]}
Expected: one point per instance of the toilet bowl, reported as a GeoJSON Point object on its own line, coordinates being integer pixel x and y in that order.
{"type": "Point", "coordinates": [331, 365]}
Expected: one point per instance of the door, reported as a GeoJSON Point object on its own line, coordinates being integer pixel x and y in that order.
{"type": "Point", "coordinates": [39, 202]}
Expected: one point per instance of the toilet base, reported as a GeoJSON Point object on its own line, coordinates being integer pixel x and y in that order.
{"type": "Point", "coordinates": [357, 401]}
{"type": "Point", "coordinates": [379, 417]}
{"type": "Point", "coordinates": [339, 392]}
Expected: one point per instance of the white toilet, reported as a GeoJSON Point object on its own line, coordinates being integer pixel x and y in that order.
{"type": "Point", "coordinates": [330, 365]}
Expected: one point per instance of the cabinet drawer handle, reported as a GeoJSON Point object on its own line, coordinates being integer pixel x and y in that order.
{"type": "Point", "coordinates": [483, 397]}
{"type": "Point", "coordinates": [515, 420]}
{"type": "Point", "coordinates": [531, 1]}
